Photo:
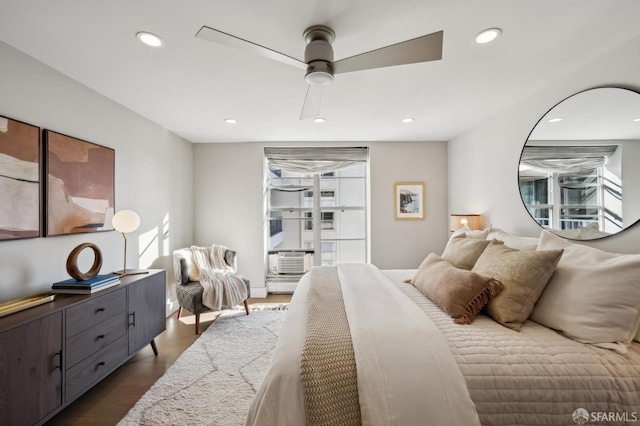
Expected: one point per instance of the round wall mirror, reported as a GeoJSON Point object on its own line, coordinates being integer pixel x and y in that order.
{"type": "Point", "coordinates": [578, 173]}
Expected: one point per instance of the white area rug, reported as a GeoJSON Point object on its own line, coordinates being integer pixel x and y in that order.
{"type": "Point", "coordinates": [214, 380]}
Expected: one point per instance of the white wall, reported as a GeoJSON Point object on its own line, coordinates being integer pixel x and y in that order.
{"type": "Point", "coordinates": [228, 182]}
{"type": "Point", "coordinates": [399, 244]}
{"type": "Point", "coordinates": [483, 162]}
{"type": "Point", "coordinates": [152, 172]}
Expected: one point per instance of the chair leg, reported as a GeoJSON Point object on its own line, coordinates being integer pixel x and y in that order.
{"type": "Point", "coordinates": [179, 312]}
{"type": "Point", "coordinates": [197, 323]}
{"type": "Point", "coordinates": [246, 306]}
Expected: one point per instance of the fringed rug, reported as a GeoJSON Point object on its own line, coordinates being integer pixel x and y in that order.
{"type": "Point", "coordinates": [213, 382]}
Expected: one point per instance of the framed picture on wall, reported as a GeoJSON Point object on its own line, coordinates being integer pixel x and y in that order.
{"type": "Point", "coordinates": [409, 200]}
{"type": "Point", "coordinates": [19, 180]}
{"type": "Point", "coordinates": [80, 180]}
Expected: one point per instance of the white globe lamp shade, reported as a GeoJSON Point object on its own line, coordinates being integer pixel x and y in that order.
{"type": "Point", "coordinates": [126, 221]}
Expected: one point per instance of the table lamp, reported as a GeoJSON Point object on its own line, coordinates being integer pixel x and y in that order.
{"type": "Point", "coordinates": [126, 221]}
{"type": "Point", "coordinates": [472, 221]}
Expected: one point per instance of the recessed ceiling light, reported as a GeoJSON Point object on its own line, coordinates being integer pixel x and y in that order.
{"type": "Point", "coordinates": [407, 120]}
{"type": "Point", "coordinates": [319, 120]}
{"type": "Point", "coordinates": [149, 39]}
{"type": "Point", "coordinates": [488, 35]}
{"type": "Point", "coordinates": [555, 119]}
{"type": "Point", "coordinates": [230, 120]}
{"type": "Point", "coordinates": [636, 119]}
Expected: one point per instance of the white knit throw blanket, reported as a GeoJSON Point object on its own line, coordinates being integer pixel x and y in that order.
{"type": "Point", "coordinates": [223, 288]}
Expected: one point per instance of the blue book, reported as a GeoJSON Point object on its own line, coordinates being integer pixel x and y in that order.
{"type": "Point", "coordinates": [85, 290]}
{"type": "Point", "coordinates": [96, 281]}
{"type": "Point", "coordinates": [82, 287]}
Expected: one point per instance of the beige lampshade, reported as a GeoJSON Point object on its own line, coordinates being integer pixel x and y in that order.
{"type": "Point", "coordinates": [126, 221]}
{"type": "Point", "coordinates": [473, 222]}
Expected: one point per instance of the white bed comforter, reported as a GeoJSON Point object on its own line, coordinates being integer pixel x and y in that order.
{"type": "Point", "coordinates": [406, 372]}
{"type": "Point", "coordinates": [536, 376]}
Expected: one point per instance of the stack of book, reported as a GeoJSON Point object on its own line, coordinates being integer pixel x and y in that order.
{"type": "Point", "coordinates": [93, 285]}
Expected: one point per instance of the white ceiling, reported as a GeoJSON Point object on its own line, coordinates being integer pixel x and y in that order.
{"type": "Point", "coordinates": [190, 86]}
{"type": "Point", "coordinates": [605, 114]}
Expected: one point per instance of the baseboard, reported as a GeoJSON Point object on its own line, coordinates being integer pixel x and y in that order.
{"type": "Point", "coordinates": [171, 306]}
{"type": "Point", "coordinates": [259, 292]}
{"type": "Point", "coordinates": [281, 287]}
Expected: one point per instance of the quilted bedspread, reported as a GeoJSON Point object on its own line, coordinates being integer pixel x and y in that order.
{"type": "Point", "coordinates": [536, 376]}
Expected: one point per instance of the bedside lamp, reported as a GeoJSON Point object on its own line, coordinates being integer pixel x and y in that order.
{"type": "Point", "coordinates": [473, 222]}
{"type": "Point", "coordinates": [126, 221]}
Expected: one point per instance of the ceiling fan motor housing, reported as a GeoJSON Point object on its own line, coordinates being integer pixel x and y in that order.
{"type": "Point", "coordinates": [318, 55]}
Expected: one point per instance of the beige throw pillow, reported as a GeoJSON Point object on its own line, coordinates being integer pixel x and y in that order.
{"type": "Point", "coordinates": [463, 252]}
{"type": "Point", "coordinates": [593, 297]}
{"type": "Point", "coordinates": [460, 293]}
{"type": "Point", "coordinates": [524, 275]}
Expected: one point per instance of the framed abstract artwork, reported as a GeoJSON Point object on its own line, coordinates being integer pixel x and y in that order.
{"type": "Point", "coordinates": [409, 200]}
{"type": "Point", "coordinates": [80, 181]}
{"type": "Point", "coordinates": [19, 180]}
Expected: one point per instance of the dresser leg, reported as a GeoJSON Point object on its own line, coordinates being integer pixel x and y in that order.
{"type": "Point", "coordinates": [154, 347]}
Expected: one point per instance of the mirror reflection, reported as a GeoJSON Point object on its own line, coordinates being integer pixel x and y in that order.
{"type": "Point", "coordinates": [578, 172]}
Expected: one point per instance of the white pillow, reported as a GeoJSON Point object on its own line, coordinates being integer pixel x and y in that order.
{"type": "Point", "coordinates": [589, 232]}
{"type": "Point", "coordinates": [574, 234]}
{"type": "Point", "coordinates": [514, 241]}
{"type": "Point", "coordinates": [592, 232]}
{"type": "Point", "coordinates": [187, 255]}
{"type": "Point", "coordinates": [593, 296]}
{"type": "Point", "coordinates": [481, 235]}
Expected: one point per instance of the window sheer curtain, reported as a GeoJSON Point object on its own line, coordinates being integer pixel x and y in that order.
{"type": "Point", "coordinates": [567, 159]}
{"type": "Point", "coordinates": [314, 159]}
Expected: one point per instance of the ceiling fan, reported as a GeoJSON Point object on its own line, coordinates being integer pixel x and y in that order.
{"type": "Point", "coordinates": [318, 57]}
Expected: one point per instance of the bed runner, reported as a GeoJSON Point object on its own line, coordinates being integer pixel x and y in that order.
{"type": "Point", "coordinates": [328, 368]}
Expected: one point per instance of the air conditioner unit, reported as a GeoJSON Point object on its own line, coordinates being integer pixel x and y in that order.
{"type": "Point", "coordinates": [291, 262]}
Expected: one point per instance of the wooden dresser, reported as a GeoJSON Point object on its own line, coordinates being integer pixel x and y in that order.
{"type": "Point", "coordinates": [53, 353]}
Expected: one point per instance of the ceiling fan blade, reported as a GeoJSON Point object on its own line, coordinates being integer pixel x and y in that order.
{"type": "Point", "coordinates": [223, 38]}
{"type": "Point", "coordinates": [422, 49]}
{"type": "Point", "coordinates": [312, 102]}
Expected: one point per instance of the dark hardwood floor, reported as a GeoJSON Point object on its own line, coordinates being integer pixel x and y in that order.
{"type": "Point", "coordinates": [110, 400]}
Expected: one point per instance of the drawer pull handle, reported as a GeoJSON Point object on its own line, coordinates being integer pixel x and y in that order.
{"type": "Point", "coordinates": [133, 315]}
{"type": "Point", "coordinates": [100, 364]}
{"type": "Point", "coordinates": [99, 310]}
{"type": "Point", "coordinates": [59, 366]}
{"type": "Point", "coordinates": [100, 337]}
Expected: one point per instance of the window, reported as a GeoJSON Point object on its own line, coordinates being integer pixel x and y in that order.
{"type": "Point", "coordinates": [535, 193]}
{"type": "Point", "coordinates": [581, 199]}
{"type": "Point", "coordinates": [572, 186]}
{"type": "Point", "coordinates": [275, 227]}
{"type": "Point", "coordinates": [340, 176]}
{"type": "Point", "coordinates": [326, 221]}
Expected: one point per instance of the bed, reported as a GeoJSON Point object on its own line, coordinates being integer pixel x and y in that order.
{"type": "Point", "coordinates": [415, 365]}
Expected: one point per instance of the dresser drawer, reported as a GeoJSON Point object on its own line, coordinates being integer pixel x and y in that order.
{"type": "Point", "coordinates": [95, 338]}
{"type": "Point", "coordinates": [94, 311]}
{"type": "Point", "coordinates": [94, 368]}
